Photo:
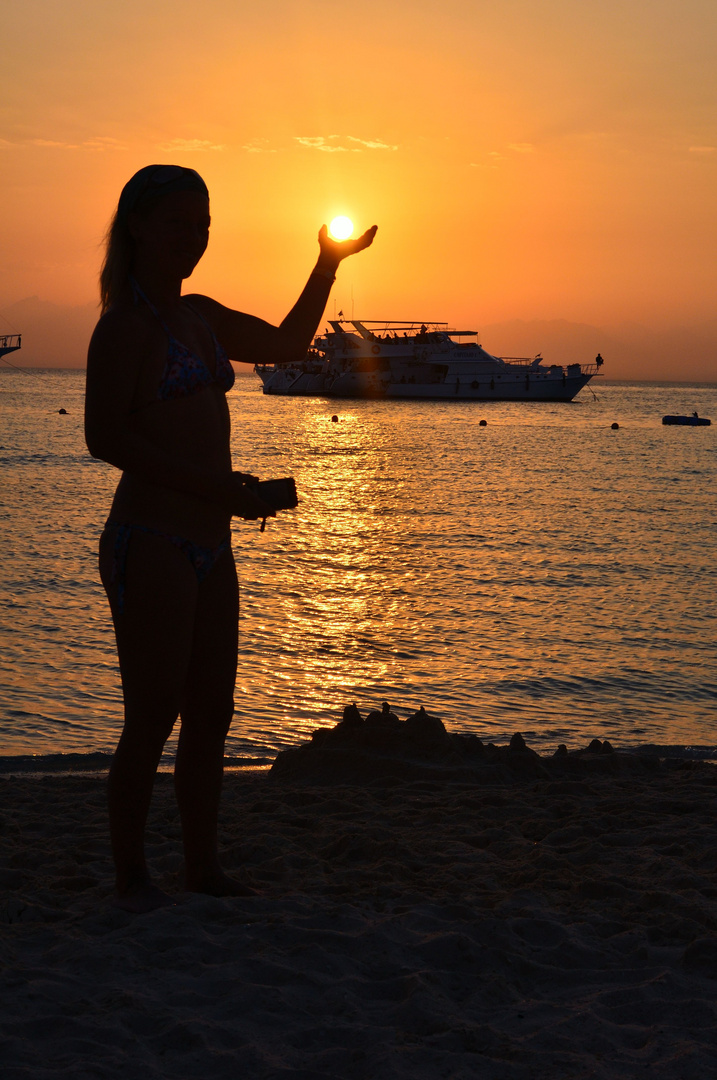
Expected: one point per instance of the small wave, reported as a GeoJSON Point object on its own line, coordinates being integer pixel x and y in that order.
{"type": "Point", "coordinates": [20, 460]}
{"type": "Point", "coordinates": [60, 764]}
{"type": "Point", "coordinates": [54, 763]}
{"type": "Point", "coordinates": [607, 688]}
{"type": "Point", "coordinates": [675, 751]}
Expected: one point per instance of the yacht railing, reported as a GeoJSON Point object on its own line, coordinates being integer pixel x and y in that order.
{"type": "Point", "coordinates": [9, 342]}
{"type": "Point", "coordinates": [526, 361]}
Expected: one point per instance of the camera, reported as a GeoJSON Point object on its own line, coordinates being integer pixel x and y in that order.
{"type": "Point", "coordinates": [279, 494]}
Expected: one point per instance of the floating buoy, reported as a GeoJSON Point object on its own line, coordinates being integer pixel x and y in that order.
{"type": "Point", "coordinates": [482, 423]}
{"type": "Point", "coordinates": [334, 419]}
{"type": "Point", "coordinates": [615, 426]}
{"type": "Point", "coordinates": [62, 412]}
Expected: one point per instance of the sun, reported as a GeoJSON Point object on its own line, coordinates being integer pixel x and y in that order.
{"type": "Point", "coordinates": [341, 228]}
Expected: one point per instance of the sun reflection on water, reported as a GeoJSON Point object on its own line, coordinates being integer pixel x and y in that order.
{"type": "Point", "coordinates": [343, 592]}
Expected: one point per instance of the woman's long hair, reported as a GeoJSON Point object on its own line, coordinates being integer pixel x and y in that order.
{"type": "Point", "coordinates": [119, 252]}
{"type": "Point", "coordinates": [138, 196]}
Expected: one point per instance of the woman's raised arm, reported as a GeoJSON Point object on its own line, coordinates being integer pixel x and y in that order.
{"type": "Point", "coordinates": [249, 340]}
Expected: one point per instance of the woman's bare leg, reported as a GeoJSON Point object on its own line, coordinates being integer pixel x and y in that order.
{"type": "Point", "coordinates": [207, 710]}
{"type": "Point", "coordinates": [154, 641]}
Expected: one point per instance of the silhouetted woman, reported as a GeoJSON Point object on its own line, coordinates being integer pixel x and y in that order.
{"type": "Point", "coordinates": [157, 374]}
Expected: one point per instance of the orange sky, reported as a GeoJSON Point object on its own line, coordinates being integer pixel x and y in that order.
{"type": "Point", "coordinates": [527, 159]}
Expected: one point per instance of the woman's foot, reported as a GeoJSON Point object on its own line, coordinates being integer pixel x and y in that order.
{"type": "Point", "coordinates": [141, 898]}
{"type": "Point", "coordinates": [217, 883]}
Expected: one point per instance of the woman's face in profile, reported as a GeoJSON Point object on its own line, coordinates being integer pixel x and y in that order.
{"type": "Point", "coordinates": [173, 235]}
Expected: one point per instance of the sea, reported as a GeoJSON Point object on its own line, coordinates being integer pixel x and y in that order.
{"type": "Point", "coordinates": [546, 573]}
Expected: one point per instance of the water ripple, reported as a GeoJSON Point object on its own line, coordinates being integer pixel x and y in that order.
{"type": "Point", "coordinates": [543, 574]}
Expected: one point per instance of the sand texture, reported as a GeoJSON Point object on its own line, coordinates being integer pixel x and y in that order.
{"type": "Point", "coordinates": [419, 918]}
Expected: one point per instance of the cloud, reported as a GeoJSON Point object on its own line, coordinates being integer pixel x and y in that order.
{"type": "Point", "coordinates": [259, 146]}
{"type": "Point", "coordinates": [103, 142]}
{"type": "Point", "coordinates": [319, 142]}
{"type": "Point", "coordinates": [372, 145]}
{"type": "Point", "coordinates": [703, 149]}
{"type": "Point", "coordinates": [494, 159]}
{"type": "Point", "coordinates": [330, 144]}
{"type": "Point", "coordinates": [189, 146]}
{"type": "Point", "coordinates": [99, 142]}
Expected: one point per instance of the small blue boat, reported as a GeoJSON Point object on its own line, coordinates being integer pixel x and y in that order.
{"type": "Point", "coordinates": [687, 421]}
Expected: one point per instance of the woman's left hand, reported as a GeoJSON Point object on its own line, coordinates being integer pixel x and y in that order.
{"type": "Point", "coordinates": [333, 251]}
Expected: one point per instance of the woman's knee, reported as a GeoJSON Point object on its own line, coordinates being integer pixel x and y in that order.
{"type": "Point", "coordinates": [210, 720]}
{"type": "Point", "coordinates": [152, 721]}
{"type": "Point", "coordinates": [224, 719]}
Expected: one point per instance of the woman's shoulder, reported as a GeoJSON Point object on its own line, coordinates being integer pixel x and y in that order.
{"type": "Point", "coordinates": [209, 308]}
{"type": "Point", "coordinates": [124, 325]}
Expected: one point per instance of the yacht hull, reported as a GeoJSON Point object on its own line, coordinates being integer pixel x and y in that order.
{"type": "Point", "coordinates": [361, 386]}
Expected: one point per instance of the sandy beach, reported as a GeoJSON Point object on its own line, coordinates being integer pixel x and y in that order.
{"type": "Point", "coordinates": [420, 915]}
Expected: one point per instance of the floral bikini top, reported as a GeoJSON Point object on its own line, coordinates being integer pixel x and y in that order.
{"type": "Point", "coordinates": [184, 372]}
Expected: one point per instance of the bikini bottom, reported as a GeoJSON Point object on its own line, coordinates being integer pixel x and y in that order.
{"type": "Point", "coordinates": [203, 559]}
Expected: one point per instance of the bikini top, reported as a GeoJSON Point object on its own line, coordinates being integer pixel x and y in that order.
{"type": "Point", "coordinates": [184, 372]}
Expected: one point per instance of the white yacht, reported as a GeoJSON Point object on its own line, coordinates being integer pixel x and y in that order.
{"type": "Point", "coordinates": [384, 359]}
